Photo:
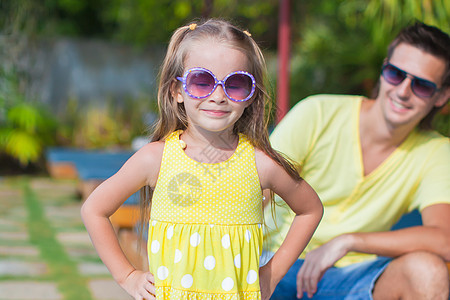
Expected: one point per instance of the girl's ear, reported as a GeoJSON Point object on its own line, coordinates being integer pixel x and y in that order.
{"type": "Point", "coordinates": [249, 102]}
{"type": "Point", "coordinates": [176, 92]}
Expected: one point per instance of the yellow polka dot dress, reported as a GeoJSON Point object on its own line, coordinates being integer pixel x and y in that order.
{"type": "Point", "coordinates": [205, 235]}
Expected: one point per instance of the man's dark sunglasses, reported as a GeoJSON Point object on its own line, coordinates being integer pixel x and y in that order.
{"type": "Point", "coordinates": [420, 87]}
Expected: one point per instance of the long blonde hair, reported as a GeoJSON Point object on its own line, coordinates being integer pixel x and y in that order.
{"type": "Point", "coordinates": [172, 115]}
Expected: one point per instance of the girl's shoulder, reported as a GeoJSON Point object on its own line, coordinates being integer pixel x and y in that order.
{"type": "Point", "coordinates": [263, 160]}
{"type": "Point", "coordinates": [270, 171]}
{"type": "Point", "coordinates": [148, 159]}
{"type": "Point", "coordinates": [265, 165]}
{"type": "Point", "coordinates": [152, 148]}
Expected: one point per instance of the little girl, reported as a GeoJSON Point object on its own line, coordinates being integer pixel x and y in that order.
{"type": "Point", "coordinates": [203, 174]}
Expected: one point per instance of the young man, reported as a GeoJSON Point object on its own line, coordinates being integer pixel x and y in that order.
{"type": "Point", "coordinates": [371, 161]}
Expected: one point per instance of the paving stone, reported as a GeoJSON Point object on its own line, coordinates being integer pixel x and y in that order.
{"type": "Point", "coordinates": [7, 193]}
{"type": "Point", "coordinates": [74, 238]}
{"type": "Point", "coordinates": [21, 268]}
{"type": "Point", "coordinates": [103, 289]}
{"type": "Point", "coordinates": [19, 250]}
{"type": "Point", "coordinates": [89, 269]}
{"type": "Point", "coordinates": [71, 211]}
{"type": "Point", "coordinates": [54, 186]}
{"type": "Point", "coordinates": [29, 290]}
{"type": "Point", "coordinates": [18, 213]}
{"type": "Point", "coordinates": [14, 236]}
{"type": "Point", "coordinates": [11, 223]}
{"type": "Point", "coordinates": [81, 252]}
{"type": "Point", "coordinates": [24, 261]}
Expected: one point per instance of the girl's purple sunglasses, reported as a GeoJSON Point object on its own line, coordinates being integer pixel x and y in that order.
{"type": "Point", "coordinates": [199, 83]}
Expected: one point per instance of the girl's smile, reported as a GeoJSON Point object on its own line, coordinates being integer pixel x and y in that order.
{"type": "Point", "coordinates": [216, 113]}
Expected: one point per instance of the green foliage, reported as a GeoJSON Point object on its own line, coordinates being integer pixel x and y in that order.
{"type": "Point", "coordinates": [441, 121]}
{"type": "Point", "coordinates": [139, 22]}
{"type": "Point", "coordinates": [111, 126]}
{"type": "Point", "coordinates": [383, 16]}
{"type": "Point", "coordinates": [54, 17]}
{"type": "Point", "coordinates": [337, 45]}
{"type": "Point", "coordinates": [143, 21]}
{"type": "Point", "coordinates": [25, 127]}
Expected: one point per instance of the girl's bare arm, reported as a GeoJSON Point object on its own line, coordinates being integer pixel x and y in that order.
{"type": "Point", "coordinates": [140, 170]}
{"type": "Point", "coordinates": [305, 203]}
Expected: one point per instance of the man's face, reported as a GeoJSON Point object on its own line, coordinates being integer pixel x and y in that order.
{"type": "Point", "coordinates": [400, 105]}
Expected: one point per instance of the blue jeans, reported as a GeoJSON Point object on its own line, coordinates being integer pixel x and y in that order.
{"type": "Point", "coordinates": [352, 282]}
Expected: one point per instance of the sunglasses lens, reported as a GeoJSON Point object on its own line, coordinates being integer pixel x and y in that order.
{"type": "Point", "coordinates": [393, 75]}
{"type": "Point", "coordinates": [239, 86]}
{"type": "Point", "coordinates": [199, 83]}
{"type": "Point", "coordinates": [423, 88]}
{"type": "Point", "coordinates": [420, 87]}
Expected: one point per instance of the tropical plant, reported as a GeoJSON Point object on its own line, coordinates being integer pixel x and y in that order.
{"type": "Point", "coordinates": [25, 126]}
{"type": "Point", "coordinates": [113, 125]}
{"type": "Point", "coordinates": [140, 22]}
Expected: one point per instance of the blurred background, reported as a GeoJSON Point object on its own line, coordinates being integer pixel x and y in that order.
{"type": "Point", "coordinates": [83, 73]}
{"type": "Point", "coordinates": [78, 84]}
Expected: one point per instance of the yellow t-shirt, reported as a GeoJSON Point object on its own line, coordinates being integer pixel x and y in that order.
{"type": "Point", "coordinates": [321, 133]}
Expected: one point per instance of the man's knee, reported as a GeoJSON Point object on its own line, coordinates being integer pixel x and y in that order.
{"type": "Point", "coordinates": [424, 266]}
{"type": "Point", "coordinates": [416, 273]}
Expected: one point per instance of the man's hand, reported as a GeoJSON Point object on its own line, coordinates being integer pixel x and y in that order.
{"type": "Point", "coordinates": [140, 285]}
{"type": "Point", "coordinates": [318, 261]}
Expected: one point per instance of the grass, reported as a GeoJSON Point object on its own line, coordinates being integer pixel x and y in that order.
{"type": "Point", "coordinates": [62, 269]}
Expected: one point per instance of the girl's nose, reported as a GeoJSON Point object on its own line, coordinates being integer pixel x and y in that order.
{"type": "Point", "coordinates": [218, 95]}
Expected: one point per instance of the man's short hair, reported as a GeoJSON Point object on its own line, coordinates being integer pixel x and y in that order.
{"type": "Point", "coordinates": [429, 39]}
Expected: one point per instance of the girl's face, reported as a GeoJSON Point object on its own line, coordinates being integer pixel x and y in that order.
{"type": "Point", "coordinates": [215, 113]}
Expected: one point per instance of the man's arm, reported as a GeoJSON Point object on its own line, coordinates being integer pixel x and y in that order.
{"type": "Point", "coordinates": [433, 236]}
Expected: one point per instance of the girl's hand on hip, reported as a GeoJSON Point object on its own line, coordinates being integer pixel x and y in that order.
{"type": "Point", "coordinates": [266, 282]}
{"type": "Point", "coordinates": [140, 285]}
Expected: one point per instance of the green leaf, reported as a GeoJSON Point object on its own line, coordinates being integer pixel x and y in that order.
{"type": "Point", "coordinates": [25, 147]}
{"type": "Point", "coordinates": [24, 116]}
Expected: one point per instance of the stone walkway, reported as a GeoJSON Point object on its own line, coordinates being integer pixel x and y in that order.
{"type": "Point", "coordinates": [25, 272]}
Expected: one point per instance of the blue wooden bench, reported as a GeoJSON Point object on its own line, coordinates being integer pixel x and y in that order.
{"type": "Point", "coordinates": [90, 164]}
{"type": "Point", "coordinates": [92, 167]}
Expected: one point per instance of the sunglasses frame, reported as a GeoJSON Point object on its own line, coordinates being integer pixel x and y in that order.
{"type": "Point", "coordinates": [413, 78]}
{"type": "Point", "coordinates": [216, 83]}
